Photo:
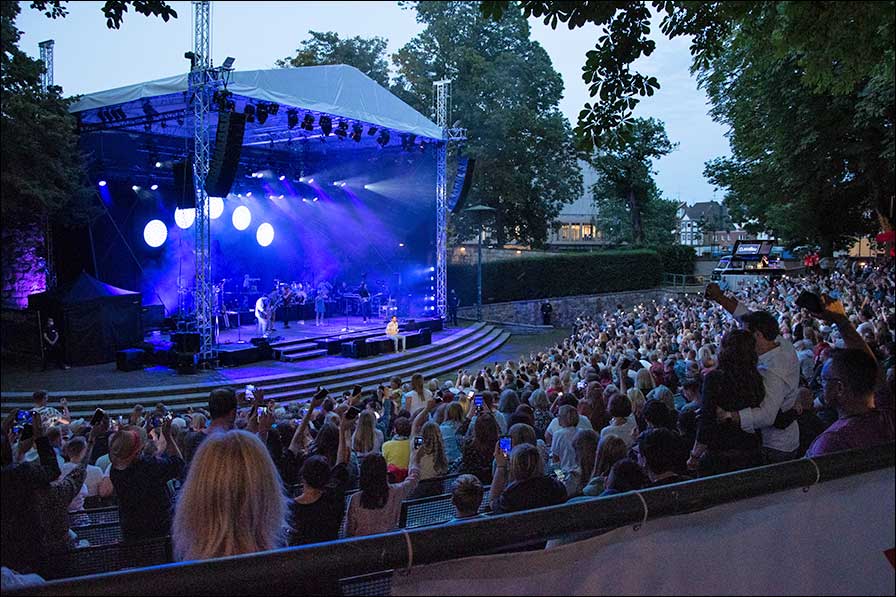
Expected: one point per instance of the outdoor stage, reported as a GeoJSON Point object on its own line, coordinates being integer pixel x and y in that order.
{"type": "Point", "coordinates": [307, 331]}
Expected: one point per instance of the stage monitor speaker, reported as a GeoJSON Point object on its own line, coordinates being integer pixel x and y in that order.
{"type": "Point", "coordinates": [184, 192]}
{"type": "Point", "coordinates": [130, 359]}
{"type": "Point", "coordinates": [186, 341]}
{"type": "Point", "coordinates": [186, 363]}
{"type": "Point", "coordinates": [226, 159]}
{"type": "Point", "coordinates": [459, 195]}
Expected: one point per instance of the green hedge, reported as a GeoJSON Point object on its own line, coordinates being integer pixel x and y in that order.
{"type": "Point", "coordinates": [677, 259]}
{"type": "Point", "coordinates": [557, 275]}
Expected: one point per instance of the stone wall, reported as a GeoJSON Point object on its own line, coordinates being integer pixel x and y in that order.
{"type": "Point", "coordinates": [24, 265]}
{"type": "Point", "coordinates": [566, 308]}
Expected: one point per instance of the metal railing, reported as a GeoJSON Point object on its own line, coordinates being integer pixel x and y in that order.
{"type": "Point", "coordinates": [318, 568]}
{"type": "Point", "coordinates": [684, 282]}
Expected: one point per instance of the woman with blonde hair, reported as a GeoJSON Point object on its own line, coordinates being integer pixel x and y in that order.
{"type": "Point", "coordinates": [454, 416]}
{"type": "Point", "coordinates": [367, 438]}
{"type": "Point", "coordinates": [644, 381]}
{"type": "Point", "coordinates": [433, 462]}
{"type": "Point", "coordinates": [198, 422]}
{"type": "Point", "coordinates": [418, 396]}
{"type": "Point", "coordinates": [232, 501]}
{"type": "Point", "coordinates": [638, 401]}
{"type": "Point", "coordinates": [610, 450]}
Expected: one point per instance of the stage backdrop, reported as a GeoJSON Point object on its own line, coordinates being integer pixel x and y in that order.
{"type": "Point", "coordinates": [835, 539]}
{"type": "Point", "coordinates": [95, 319]}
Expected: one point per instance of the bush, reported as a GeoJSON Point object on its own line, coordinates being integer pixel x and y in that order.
{"type": "Point", "coordinates": [677, 259]}
{"type": "Point", "coordinates": [557, 275]}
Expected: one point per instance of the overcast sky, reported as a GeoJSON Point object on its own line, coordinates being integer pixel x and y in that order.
{"type": "Point", "coordinates": [89, 57]}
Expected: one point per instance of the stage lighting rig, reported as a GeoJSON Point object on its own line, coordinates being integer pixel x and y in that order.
{"type": "Point", "coordinates": [262, 113]}
{"type": "Point", "coordinates": [273, 109]}
{"type": "Point", "coordinates": [342, 129]}
{"type": "Point", "coordinates": [383, 138]}
{"type": "Point", "coordinates": [372, 131]}
{"type": "Point", "coordinates": [249, 111]}
{"type": "Point", "coordinates": [292, 118]}
{"type": "Point", "coordinates": [103, 114]}
{"type": "Point", "coordinates": [119, 113]}
{"type": "Point", "coordinates": [308, 122]}
{"type": "Point", "coordinates": [326, 125]}
{"type": "Point", "coordinates": [357, 131]}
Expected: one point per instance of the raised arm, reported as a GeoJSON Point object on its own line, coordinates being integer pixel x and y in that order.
{"type": "Point", "coordinates": [296, 445]}
{"type": "Point", "coordinates": [715, 294]}
{"type": "Point", "coordinates": [834, 312]}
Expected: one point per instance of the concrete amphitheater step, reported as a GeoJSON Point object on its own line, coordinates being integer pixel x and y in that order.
{"type": "Point", "coordinates": [445, 356]}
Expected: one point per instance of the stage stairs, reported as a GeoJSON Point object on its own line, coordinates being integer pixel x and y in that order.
{"type": "Point", "coordinates": [442, 358]}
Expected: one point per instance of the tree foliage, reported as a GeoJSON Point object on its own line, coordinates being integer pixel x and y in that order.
{"type": "Point", "coordinates": [630, 208]}
{"type": "Point", "coordinates": [839, 45]}
{"type": "Point", "coordinates": [505, 92]}
{"type": "Point", "coordinates": [366, 54]}
{"type": "Point", "coordinates": [113, 10]}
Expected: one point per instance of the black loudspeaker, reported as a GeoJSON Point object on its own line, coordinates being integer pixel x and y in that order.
{"type": "Point", "coordinates": [129, 360]}
{"type": "Point", "coordinates": [186, 363]}
{"type": "Point", "coordinates": [184, 193]}
{"type": "Point", "coordinates": [459, 195]}
{"type": "Point", "coordinates": [228, 146]}
{"type": "Point", "coordinates": [186, 341]}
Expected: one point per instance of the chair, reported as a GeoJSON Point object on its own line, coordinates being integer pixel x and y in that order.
{"type": "Point", "coordinates": [94, 516]}
{"type": "Point", "coordinates": [109, 558]}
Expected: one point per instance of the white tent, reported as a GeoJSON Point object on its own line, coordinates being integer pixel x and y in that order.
{"type": "Point", "coordinates": [338, 90]}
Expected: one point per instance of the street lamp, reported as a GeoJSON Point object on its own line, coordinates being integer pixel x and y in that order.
{"type": "Point", "coordinates": [480, 213]}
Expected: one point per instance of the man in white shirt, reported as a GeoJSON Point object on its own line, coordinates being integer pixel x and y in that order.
{"type": "Point", "coordinates": [392, 332]}
{"type": "Point", "coordinates": [262, 315]}
{"type": "Point", "coordinates": [780, 370]}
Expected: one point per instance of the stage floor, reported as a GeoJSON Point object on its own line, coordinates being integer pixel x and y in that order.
{"type": "Point", "coordinates": [107, 376]}
{"type": "Point", "coordinates": [298, 331]}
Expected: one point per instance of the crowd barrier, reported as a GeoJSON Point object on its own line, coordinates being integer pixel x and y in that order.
{"type": "Point", "coordinates": [318, 569]}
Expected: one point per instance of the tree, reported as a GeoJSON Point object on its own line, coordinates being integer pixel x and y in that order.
{"type": "Point", "coordinates": [112, 9]}
{"type": "Point", "coordinates": [505, 92]}
{"type": "Point", "coordinates": [366, 54]}
{"type": "Point", "coordinates": [625, 182]}
{"type": "Point", "coordinates": [822, 34]}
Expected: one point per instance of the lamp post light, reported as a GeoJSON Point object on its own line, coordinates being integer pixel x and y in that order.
{"type": "Point", "coordinates": [480, 212]}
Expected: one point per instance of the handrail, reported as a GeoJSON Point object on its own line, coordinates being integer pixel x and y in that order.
{"type": "Point", "coordinates": [315, 568]}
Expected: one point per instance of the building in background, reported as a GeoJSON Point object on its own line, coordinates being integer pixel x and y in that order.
{"type": "Point", "coordinates": [575, 228]}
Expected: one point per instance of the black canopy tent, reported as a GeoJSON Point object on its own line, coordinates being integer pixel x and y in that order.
{"type": "Point", "coordinates": [94, 318]}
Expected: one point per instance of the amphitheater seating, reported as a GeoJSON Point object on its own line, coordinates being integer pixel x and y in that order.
{"type": "Point", "coordinates": [433, 510]}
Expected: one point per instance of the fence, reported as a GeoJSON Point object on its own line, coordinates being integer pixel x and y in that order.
{"type": "Point", "coordinates": [316, 569]}
{"type": "Point", "coordinates": [684, 282]}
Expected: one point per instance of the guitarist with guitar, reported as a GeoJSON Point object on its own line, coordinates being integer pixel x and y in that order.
{"type": "Point", "coordinates": [365, 301]}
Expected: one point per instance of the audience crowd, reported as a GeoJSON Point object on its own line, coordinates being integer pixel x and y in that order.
{"type": "Point", "coordinates": [659, 393]}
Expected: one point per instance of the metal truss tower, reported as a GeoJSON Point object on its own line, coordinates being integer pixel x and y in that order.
{"type": "Point", "coordinates": [442, 110]}
{"type": "Point", "coordinates": [46, 81]}
{"type": "Point", "coordinates": [200, 84]}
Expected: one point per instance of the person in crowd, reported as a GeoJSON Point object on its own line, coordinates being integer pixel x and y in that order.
{"type": "Point", "coordinates": [428, 439]}
{"type": "Point", "coordinates": [581, 422]}
{"type": "Point", "coordinates": [140, 482]}
{"type": "Point", "coordinates": [476, 453]}
{"type": "Point", "coordinates": [367, 438]}
{"type": "Point", "coordinates": [222, 407]}
{"type": "Point", "coordinates": [231, 502]}
{"type": "Point", "coordinates": [418, 396]}
{"type": "Point", "coordinates": [610, 450]}
{"type": "Point", "coordinates": [521, 484]}
{"type": "Point", "coordinates": [454, 416]}
{"type": "Point", "coordinates": [317, 512]}
{"type": "Point", "coordinates": [397, 451]}
{"type": "Point", "coordinates": [376, 508]}
{"type": "Point", "coordinates": [542, 413]}
{"type": "Point", "coordinates": [780, 370]}
{"type": "Point", "coordinates": [563, 455]}
{"type": "Point", "coordinates": [466, 497]}
{"type": "Point", "coordinates": [661, 457]}
{"type": "Point", "coordinates": [849, 379]}
{"type": "Point", "coordinates": [622, 422]}
{"type": "Point", "coordinates": [35, 499]}
{"type": "Point", "coordinates": [576, 479]}
{"type": "Point", "coordinates": [722, 446]}
{"type": "Point", "coordinates": [624, 476]}
{"type": "Point", "coordinates": [75, 450]}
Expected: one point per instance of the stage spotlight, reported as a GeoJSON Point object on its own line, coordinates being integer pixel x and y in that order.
{"type": "Point", "coordinates": [315, 199]}
{"type": "Point", "coordinates": [308, 122]}
{"type": "Point", "coordinates": [135, 188]}
{"type": "Point", "coordinates": [292, 118]}
{"type": "Point", "coordinates": [184, 218]}
{"type": "Point", "coordinates": [326, 125]}
{"type": "Point", "coordinates": [262, 113]}
{"type": "Point", "coordinates": [248, 194]}
{"type": "Point", "coordinates": [282, 177]}
{"type": "Point", "coordinates": [102, 183]}
{"type": "Point", "coordinates": [372, 131]}
{"type": "Point", "coordinates": [215, 207]}
{"type": "Point", "coordinates": [357, 131]}
{"type": "Point", "coordinates": [155, 233]}
{"type": "Point", "coordinates": [383, 138]}
{"type": "Point", "coordinates": [241, 218]}
{"type": "Point", "coordinates": [154, 187]}
{"type": "Point", "coordinates": [342, 184]}
{"type": "Point", "coordinates": [367, 187]}
{"type": "Point", "coordinates": [310, 180]}
{"type": "Point", "coordinates": [104, 116]}
{"type": "Point", "coordinates": [400, 244]}
{"type": "Point", "coordinates": [342, 130]}
{"type": "Point", "coordinates": [280, 197]}
{"type": "Point", "coordinates": [273, 109]}
{"type": "Point", "coordinates": [265, 234]}
{"type": "Point", "coordinates": [158, 164]}
{"type": "Point", "coordinates": [119, 114]}
{"type": "Point", "coordinates": [249, 111]}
